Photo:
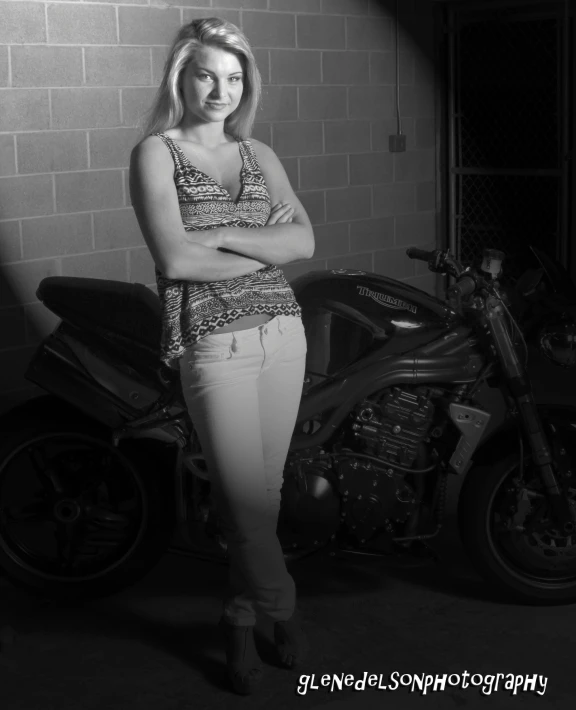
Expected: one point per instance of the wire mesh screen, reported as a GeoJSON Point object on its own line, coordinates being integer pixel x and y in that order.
{"type": "Point", "coordinates": [507, 131]}
{"type": "Point", "coordinates": [509, 92]}
{"type": "Point", "coordinates": [508, 212]}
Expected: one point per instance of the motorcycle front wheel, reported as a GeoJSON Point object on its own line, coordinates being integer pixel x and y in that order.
{"type": "Point", "coordinates": [508, 533]}
{"type": "Point", "coordinates": [79, 517]}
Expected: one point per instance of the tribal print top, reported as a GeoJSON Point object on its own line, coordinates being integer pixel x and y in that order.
{"type": "Point", "coordinates": [192, 309]}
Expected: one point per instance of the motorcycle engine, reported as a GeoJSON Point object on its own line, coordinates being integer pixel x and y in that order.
{"type": "Point", "coordinates": [393, 428]}
{"type": "Point", "coordinates": [322, 491]}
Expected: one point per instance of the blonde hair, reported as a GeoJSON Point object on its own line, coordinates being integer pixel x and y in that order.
{"type": "Point", "coordinates": [167, 109]}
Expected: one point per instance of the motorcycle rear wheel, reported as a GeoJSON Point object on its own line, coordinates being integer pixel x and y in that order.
{"type": "Point", "coordinates": [101, 518]}
{"type": "Point", "coordinates": [537, 568]}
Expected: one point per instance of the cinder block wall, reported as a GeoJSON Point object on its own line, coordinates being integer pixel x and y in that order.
{"type": "Point", "coordinates": [76, 78]}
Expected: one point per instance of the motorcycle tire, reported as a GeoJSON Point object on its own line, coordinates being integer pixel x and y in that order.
{"type": "Point", "coordinates": [134, 465]}
{"type": "Point", "coordinates": [477, 506]}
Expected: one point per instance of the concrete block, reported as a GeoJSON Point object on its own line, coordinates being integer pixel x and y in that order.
{"type": "Point", "coordinates": [89, 190]}
{"type": "Point", "coordinates": [346, 7]}
{"type": "Point", "coordinates": [148, 26]}
{"type": "Point", "coordinates": [111, 147]}
{"type": "Point", "coordinates": [323, 171]}
{"type": "Point", "coordinates": [58, 235]}
{"type": "Point", "coordinates": [10, 247]}
{"type": "Point", "coordinates": [314, 204]}
{"type": "Point", "coordinates": [414, 166]}
{"type": "Point", "coordinates": [322, 102]}
{"type": "Point", "coordinates": [52, 151]}
{"type": "Point", "coordinates": [371, 168]}
{"type": "Point", "coordinates": [425, 196]}
{"type": "Point", "coordinates": [394, 198]}
{"type": "Point", "coordinates": [331, 240]}
{"type": "Point", "coordinates": [313, 6]}
{"type": "Point", "coordinates": [262, 132]}
{"type": "Point", "coordinates": [416, 229]}
{"type": "Point", "coordinates": [320, 32]}
{"type": "Point", "coordinates": [369, 33]}
{"type": "Point", "coordinates": [118, 66]}
{"type": "Point", "coordinates": [101, 265]}
{"type": "Point", "coordinates": [348, 203]}
{"type": "Point", "coordinates": [290, 66]}
{"type": "Point", "coordinates": [141, 266]}
{"type": "Point", "coordinates": [269, 29]}
{"type": "Point", "coordinates": [279, 103]}
{"type": "Point", "coordinates": [383, 68]}
{"type": "Point", "coordinates": [135, 105]}
{"type": "Point", "coordinates": [347, 136]}
{"type": "Point", "coordinates": [297, 138]}
{"type": "Point", "coordinates": [7, 155]}
{"type": "Point", "coordinates": [46, 66]}
{"type": "Point", "coordinates": [26, 196]}
{"type": "Point", "coordinates": [22, 22]}
{"type": "Point", "coordinates": [393, 263]}
{"type": "Point", "coordinates": [348, 68]}
{"type": "Point", "coordinates": [371, 102]}
{"type": "Point", "coordinates": [24, 110]}
{"type": "Point", "coordinates": [85, 108]}
{"type": "Point", "coordinates": [81, 24]}
{"type": "Point", "coordinates": [114, 229]}
{"type": "Point", "coordinates": [371, 234]}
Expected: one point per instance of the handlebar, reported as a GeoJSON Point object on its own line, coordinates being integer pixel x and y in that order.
{"type": "Point", "coordinates": [421, 254]}
{"type": "Point", "coordinates": [443, 263]}
{"type": "Point", "coordinates": [465, 287]}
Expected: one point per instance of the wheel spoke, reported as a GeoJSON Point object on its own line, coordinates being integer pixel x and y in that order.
{"type": "Point", "coordinates": [37, 512]}
{"type": "Point", "coordinates": [47, 476]}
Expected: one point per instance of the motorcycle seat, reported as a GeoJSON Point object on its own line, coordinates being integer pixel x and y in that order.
{"type": "Point", "coordinates": [130, 310]}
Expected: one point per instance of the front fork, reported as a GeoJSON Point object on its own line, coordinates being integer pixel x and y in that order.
{"type": "Point", "coordinates": [521, 389]}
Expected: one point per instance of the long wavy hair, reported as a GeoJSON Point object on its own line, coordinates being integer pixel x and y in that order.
{"type": "Point", "coordinates": [167, 109]}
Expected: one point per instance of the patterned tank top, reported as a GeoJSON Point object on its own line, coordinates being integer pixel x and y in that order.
{"type": "Point", "coordinates": [191, 310]}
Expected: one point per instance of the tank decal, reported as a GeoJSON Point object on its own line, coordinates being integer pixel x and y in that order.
{"type": "Point", "coordinates": [385, 300]}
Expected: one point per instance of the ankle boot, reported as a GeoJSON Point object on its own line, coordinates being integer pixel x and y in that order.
{"type": "Point", "coordinates": [242, 660]}
{"type": "Point", "coordinates": [291, 641]}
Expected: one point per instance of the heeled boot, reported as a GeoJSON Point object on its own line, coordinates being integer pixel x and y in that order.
{"type": "Point", "coordinates": [242, 659]}
{"type": "Point", "coordinates": [291, 641]}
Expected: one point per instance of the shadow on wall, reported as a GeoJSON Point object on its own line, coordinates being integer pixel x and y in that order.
{"type": "Point", "coordinates": [20, 332]}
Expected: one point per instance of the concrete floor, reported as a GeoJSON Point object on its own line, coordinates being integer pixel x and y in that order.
{"type": "Point", "coordinates": [156, 646]}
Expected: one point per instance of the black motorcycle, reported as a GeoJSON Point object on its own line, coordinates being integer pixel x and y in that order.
{"type": "Point", "coordinates": [99, 477]}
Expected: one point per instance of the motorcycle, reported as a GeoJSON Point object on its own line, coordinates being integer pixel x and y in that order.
{"type": "Point", "coordinates": [102, 474]}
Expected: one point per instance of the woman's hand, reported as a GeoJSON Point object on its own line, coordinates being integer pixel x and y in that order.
{"type": "Point", "coordinates": [281, 213]}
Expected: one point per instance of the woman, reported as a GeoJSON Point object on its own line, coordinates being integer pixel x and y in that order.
{"type": "Point", "coordinates": [218, 213]}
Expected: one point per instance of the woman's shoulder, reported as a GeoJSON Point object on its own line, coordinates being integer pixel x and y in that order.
{"type": "Point", "coordinates": [265, 155]}
{"type": "Point", "coordinates": [151, 148]}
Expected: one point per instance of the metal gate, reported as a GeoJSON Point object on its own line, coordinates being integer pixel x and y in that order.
{"type": "Point", "coordinates": [508, 129]}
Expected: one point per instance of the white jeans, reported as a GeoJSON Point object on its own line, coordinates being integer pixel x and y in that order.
{"type": "Point", "coordinates": [242, 390]}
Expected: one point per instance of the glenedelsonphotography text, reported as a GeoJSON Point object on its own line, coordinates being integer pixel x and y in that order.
{"type": "Point", "coordinates": [424, 683]}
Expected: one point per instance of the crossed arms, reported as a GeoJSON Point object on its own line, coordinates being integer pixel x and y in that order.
{"type": "Point", "coordinates": [222, 253]}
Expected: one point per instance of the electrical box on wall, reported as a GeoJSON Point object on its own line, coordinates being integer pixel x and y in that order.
{"type": "Point", "coordinates": [397, 143]}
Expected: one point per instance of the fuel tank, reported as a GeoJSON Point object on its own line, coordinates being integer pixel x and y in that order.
{"type": "Point", "coordinates": [349, 314]}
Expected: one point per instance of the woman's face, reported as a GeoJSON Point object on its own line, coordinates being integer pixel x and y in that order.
{"type": "Point", "coordinates": [212, 84]}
